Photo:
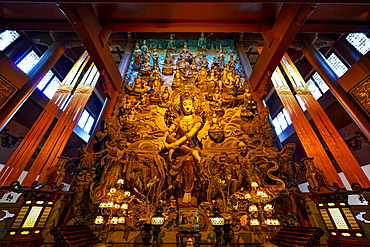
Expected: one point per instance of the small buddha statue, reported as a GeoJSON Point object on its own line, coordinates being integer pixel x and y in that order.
{"type": "Point", "coordinates": [171, 43]}
{"type": "Point", "coordinates": [201, 77]}
{"type": "Point", "coordinates": [165, 98]}
{"type": "Point", "coordinates": [139, 84]}
{"type": "Point", "coordinates": [137, 56]}
{"type": "Point", "coordinates": [155, 57]}
{"type": "Point", "coordinates": [202, 42]}
{"type": "Point", "coordinates": [178, 79]}
{"type": "Point", "coordinates": [157, 83]}
{"type": "Point", "coordinates": [192, 73]}
{"type": "Point", "coordinates": [167, 69]}
{"type": "Point", "coordinates": [144, 47]}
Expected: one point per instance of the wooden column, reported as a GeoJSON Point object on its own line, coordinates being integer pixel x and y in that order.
{"type": "Point", "coordinates": [57, 139]}
{"type": "Point", "coordinates": [20, 47]}
{"type": "Point", "coordinates": [347, 51]}
{"type": "Point", "coordinates": [47, 61]}
{"type": "Point", "coordinates": [247, 68]}
{"type": "Point", "coordinates": [337, 146]}
{"type": "Point", "coordinates": [318, 61]}
{"type": "Point", "coordinates": [112, 95]}
{"type": "Point", "coordinates": [305, 133]}
{"type": "Point", "coordinates": [278, 38]}
{"type": "Point", "coordinates": [22, 155]}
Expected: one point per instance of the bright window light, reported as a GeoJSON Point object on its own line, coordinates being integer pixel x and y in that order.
{"type": "Point", "coordinates": [287, 117]}
{"type": "Point", "coordinates": [83, 119]}
{"type": "Point", "coordinates": [314, 89]}
{"type": "Point", "coordinates": [360, 41]}
{"type": "Point", "coordinates": [86, 121]}
{"type": "Point", "coordinates": [320, 82]}
{"type": "Point", "coordinates": [276, 124]}
{"type": "Point", "coordinates": [89, 124]}
{"type": "Point", "coordinates": [282, 121]}
{"type": "Point", "coordinates": [301, 103]}
{"type": "Point", "coordinates": [45, 80]}
{"type": "Point", "coordinates": [7, 37]}
{"type": "Point", "coordinates": [52, 87]}
{"type": "Point", "coordinates": [337, 65]}
{"type": "Point", "coordinates": [28, 62]}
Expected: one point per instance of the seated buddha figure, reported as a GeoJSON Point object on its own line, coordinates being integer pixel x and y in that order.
{"type": "Point", "coordinates": [178, 79]}
{"type": "Point", "coordinates": [167, 68]}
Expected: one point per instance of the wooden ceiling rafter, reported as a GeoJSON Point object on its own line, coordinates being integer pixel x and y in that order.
{"type": "Point", "coordinates": [94, 37]}
{"type": "Point", "coordinates": [277, 41]}
{"type": "Point", "coordinates": [195, 1]}
{"type": "Point", "coordinates": [65, 26]}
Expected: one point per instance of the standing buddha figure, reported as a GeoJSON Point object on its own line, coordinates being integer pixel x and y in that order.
{"type": "Point", "coordinates": [137, 56]}
{"type": "Point", "coordinates": [144, 48]}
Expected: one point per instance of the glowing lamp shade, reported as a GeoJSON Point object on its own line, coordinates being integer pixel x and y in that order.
{"type": "Point", "coordinates": [99, 220]}
{"type": "Point", "coordinates": [114, 221]}
{"type": "Point", "coordinates": [157, 220]}
{"type": "Point", "coordinates": [268, 207]}
{"type": "Point", "coordinates": [110, 204]}
{"type": "Point", "coordinates": [253, 208]}
{"type": "Point", "coordinates": [121, 220]}
{"type": "Point", "coordinates": [117, 206]}
{"type": "Point", "coordinates": [103, 205]}
{"type": "Point", "coordinates": [247, 196]}
{"type": "Point", "coordinates": [120, 181]}
{"type": "Point", "coordinates": [127, 193]}
{"type": "Point", "coordinates": [124, 206]}
{"type": "Point", "coordinates": [217, 220]}
{"type": "Point", "coordinates": [254, 222]}
{"type": "Point", "coordinates": [113, 190]}
{"type": "Point", "coordinates": [254, 184]}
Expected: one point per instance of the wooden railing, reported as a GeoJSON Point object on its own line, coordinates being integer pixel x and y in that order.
{"type": "Point", "coordinates": [71, 236]}
{"type": "Point", "coordinates": [298, 237]}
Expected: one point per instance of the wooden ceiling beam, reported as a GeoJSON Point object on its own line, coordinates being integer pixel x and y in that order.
{"type": "Point", "coordinates": [176, 27]}
{"type": "Point", "coordinates": [197, 1]}
{"type": "Point", "coordinates": [87, 26]}
{"type": "Point", "coordinates": [186, 27]}
{"type": "Point", "coordinates": [279, 37]}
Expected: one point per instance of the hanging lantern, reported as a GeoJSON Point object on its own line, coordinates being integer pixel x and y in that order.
{"type": "Point", "coordinates": [253, 208]}
{"type": "Point", "coordinates": [121, 220]}
{"type": "Point", "coordinates": [157, 219]}
{"type": "Point", "coordinates": [268, 207]}
{"type": "Point", "coordinates": [124, 206]}
{"type": "Point", "coordinates": [217, 220]}
{"type": "Point", "coordinates": [247, 196]}
{"type": "Point", "coordinates": [114, 221]}
{"type": "Point", "coordinates": [254, 185]}
{"type": "Point", "coordinates": [120, 181]}
{"type": "Point", "coordinates": [254, 222]}
{"type": "Point", "coordinates": [99, 220]}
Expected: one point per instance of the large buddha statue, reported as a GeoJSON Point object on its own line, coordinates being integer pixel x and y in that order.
{"type": "Point", "coordinates": [184, 144]}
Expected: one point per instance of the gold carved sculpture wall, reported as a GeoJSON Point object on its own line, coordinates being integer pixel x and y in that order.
{"type": "Point", "coordinates": [185, 132]}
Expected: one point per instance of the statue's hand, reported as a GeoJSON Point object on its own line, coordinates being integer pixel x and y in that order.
{"type": "Point", "coordinates": [170, 155]}
{"type": "Point", "coordinates": [173, 145]}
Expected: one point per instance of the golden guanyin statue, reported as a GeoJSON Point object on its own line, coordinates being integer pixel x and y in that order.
{"type": "Point", "coordinates": [183, 142]}
{"type": "Point", "coordinates": [187, 138]}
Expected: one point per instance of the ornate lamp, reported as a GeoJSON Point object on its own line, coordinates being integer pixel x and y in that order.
{"type": "Point", "coordinates": [217, 221]}
{"type": "Point", "coordinates": [156, 221]}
